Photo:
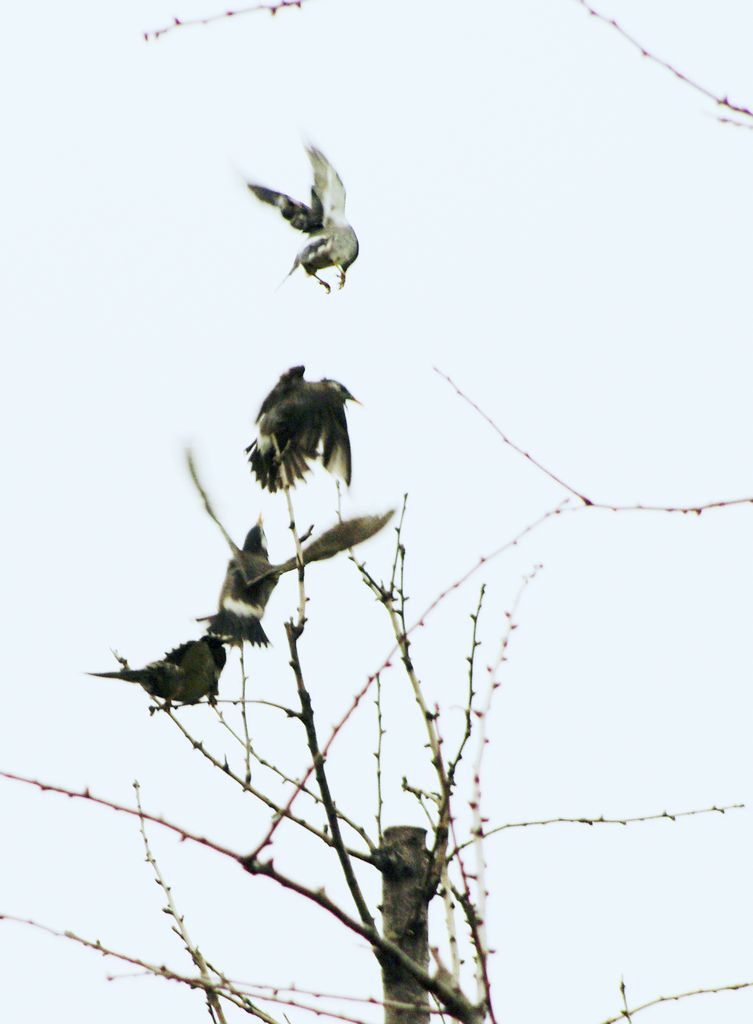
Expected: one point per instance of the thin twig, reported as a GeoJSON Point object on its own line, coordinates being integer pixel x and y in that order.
{"type": "Point", "coordinates": [720, 101]}
{"type": "Point", "coordinates": [155, 970]}
{"type": "Point", "coordinates": [272, 8]}
{"type": "Point", "coordinates": [244, 718]}
{"type": "Point", "coordinates": [453, 1000]}
{"type": "Point", "coordinates": [378, 756]}
{"type": "Point", "coordinates": [179, 925]}
{"type": "Point", "coordinates": [586, 501]}
{"type": "Point", "coordinates": [281, 813]}
{"type": "Point", "coordinates": [621, 1016]}
{"type": "Point", "coordinates": [482, 983]}
{"type": "Point", "coordinates": [668, 815]}
{"type": "Point", "coordinates": [387, 663]}
{"type": "Point", "coordinates": [307, 717]}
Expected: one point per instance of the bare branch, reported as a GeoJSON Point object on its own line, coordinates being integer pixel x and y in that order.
{"type": "Point", "coordinates": [378, 757]}
{"type": "Point", "coordinates": [586, 501]}
{"type": "Point", "coordinates": [156, 970]}
{"type": "Point", "coordinates": [272, 8]}
{"type": "Point", "coordinates": [421, 621]}
{"type": "Point", "coordinates": [281, 813]}
{"type": "Point", "coordinates": [626, 1014]}
{"type": "Point", "coordinates": [307, 717]}
{"type": "Point", "coordinates": [668, 815]}
{"type": "Point", "coordinates": [179, 927]}
{"type": "Point", "coordinates": [85, 794]}
{"type": "Point", "coordinates": [720, 101]}
{"type": "Point", "coordinates": [482, 952]}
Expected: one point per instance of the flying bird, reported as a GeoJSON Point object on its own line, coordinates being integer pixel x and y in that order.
{"type": "Point", "coordinates": [299, 421]}
{"type": "Point", "coordinates": [251, 577]}
{"type": "Point", "coordinates": [184, 675]}
{"type": "Point", "coordinates": [333, 241]}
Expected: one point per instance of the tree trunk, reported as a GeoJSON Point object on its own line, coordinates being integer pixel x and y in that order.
{"type": "Point", "coordinates": [405, 920]}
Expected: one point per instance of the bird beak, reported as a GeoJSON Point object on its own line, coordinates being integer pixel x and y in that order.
{"type": "Point", "coordinates": [352, 399]}
{"type": "Point", "coordinates": [260, 521]}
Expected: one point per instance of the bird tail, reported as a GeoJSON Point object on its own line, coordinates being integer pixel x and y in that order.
{"type": "Point", "coordinates": [234, 629]}
{"type": "Point", "coordinates": [292, 270]}
{"type": "Point", "coordinates": [129, 675]}
{"type": "Point", "coordinates": [266, 465]}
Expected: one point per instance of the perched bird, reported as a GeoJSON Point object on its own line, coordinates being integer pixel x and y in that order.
{"type": "Point", "coordinates": [301, 420]}
{"type": "Point", "coordinates": [185, 675]}
{"type": "Point", "coordinates": [251, 578]}
{"type": "Point", "coordinates": [242, 598]}
{"type": "Point", "coordinates": [333, 241]}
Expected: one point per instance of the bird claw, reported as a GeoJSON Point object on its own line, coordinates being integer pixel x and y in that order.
{"type": "Point", "coordinates": [324, 284]}
{"type": "Point", "coordinates": [342, 280]}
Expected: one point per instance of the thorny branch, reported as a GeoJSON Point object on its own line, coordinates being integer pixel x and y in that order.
{"type": "Point", "coordinates": [293, 631]}
{"type": "Point", "coordinates": [271, 8]}
{"type": "Point", "coordinates": [221, 987]}
{"type": "Point", "coordinates": [477, 828]}
{"type": "Point", "coordinates": [720, 101]}
{"type": "Point", "coordinates": [587, 502]}
{"type": "Point", "coordinates": [307, 717]}
{"type": "Point", "coordinates": [179, 925]}
{"type": "Point", "coordinates": [453, 1000]}
{"type": "Point", "coordinates": [387, 663]}
{"type": "Point", "coordinates": [626, 1014]}
{"type": "Point", "coordinates": [667, 815]}
{"type": "Point", "coordinates": [280, 812]}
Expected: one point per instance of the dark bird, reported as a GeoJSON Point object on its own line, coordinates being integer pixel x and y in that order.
{"type": "Point", "coordinates": [333, 241]}
{"type": "Point", "coordinates": [251, 578]}
{"type": "Point", "coordinates": [245, 593]}
{"type": "Point", "coordinates": [184, 675]}
{"type": "Point", "coordinates": [299, 421]}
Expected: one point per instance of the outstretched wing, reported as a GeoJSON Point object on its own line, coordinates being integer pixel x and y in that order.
{"type": "Point", "coordinates": [302, 217]}
{"type": "Point", "coordinates": [337, 538]}
{"type": "Point", "coordinates": [334, 439]}
{"type": "Point", "coordinates": [328, 187]}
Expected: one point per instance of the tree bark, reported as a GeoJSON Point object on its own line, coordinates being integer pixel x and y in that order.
{"type": "Point", "coordinates": [405, 919]}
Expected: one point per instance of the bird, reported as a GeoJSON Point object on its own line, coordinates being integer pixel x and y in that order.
{"type": "Point", "coordinates": [299, 421]}
{"type": "Point", "coordinates": [243, 599]}
{"type": "Point", "coordinates": [333, 241]}
{"type": "Point", "coordinates": [251, 577]}
{"type": "Point", "coordinates": [184, 675]}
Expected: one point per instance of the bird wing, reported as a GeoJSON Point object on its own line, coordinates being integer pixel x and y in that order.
{"type": "Point", "coordinates": [337, 538]}
{"type": "Point", "coordinates": [289, 381]}
{"type": "Point", "coordinates": [334, 439]}
{"type": "Point", "coordinates": [301, 217]}
{"type": "Point", "coordinates": [328, 187]}
{"type": "Point", "coordinates": [175, 657]}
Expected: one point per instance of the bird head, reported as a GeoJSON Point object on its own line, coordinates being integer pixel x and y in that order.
{"type": "Point", "coordinates": [256, 539]}
{"type": "Point", "coordinates": [342, 392]}
{"type": "Point", "coordinates": [217, 649]}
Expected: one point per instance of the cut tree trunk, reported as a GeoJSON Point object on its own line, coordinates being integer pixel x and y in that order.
{"type": "Point", "coordinates": [405, 919]}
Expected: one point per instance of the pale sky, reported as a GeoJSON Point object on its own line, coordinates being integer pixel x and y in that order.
{"type": "Point", "coordinates": [562, 227]}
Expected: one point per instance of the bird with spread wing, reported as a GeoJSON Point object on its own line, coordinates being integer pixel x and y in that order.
{"type": "Point", "coordinates": [300, 421]}
{"type": "Point", "coordinates": [333, 241]}
{"type": "Point", "coordinates": [251, 577]}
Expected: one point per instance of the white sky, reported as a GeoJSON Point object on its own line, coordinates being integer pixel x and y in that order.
{"type": "Point", "coordinates": [562, 227]}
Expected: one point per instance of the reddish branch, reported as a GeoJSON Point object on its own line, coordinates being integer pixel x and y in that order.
{"type": "Point", "coordinates": [455, 1003]}
{"type": "Point", "coordinates": [272, 8]}
{"type": "Point", "coordinates": [588, 502]}
{"type": "Point", "coordinates": [720, 101]}
{"type": "Point", "coordinates": [387, 663]}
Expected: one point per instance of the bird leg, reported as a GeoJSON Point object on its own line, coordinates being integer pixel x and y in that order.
{"type": "Point", "coordinates": [342, 279]}
{"type": "Point", "coordinates": [323, 283]}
